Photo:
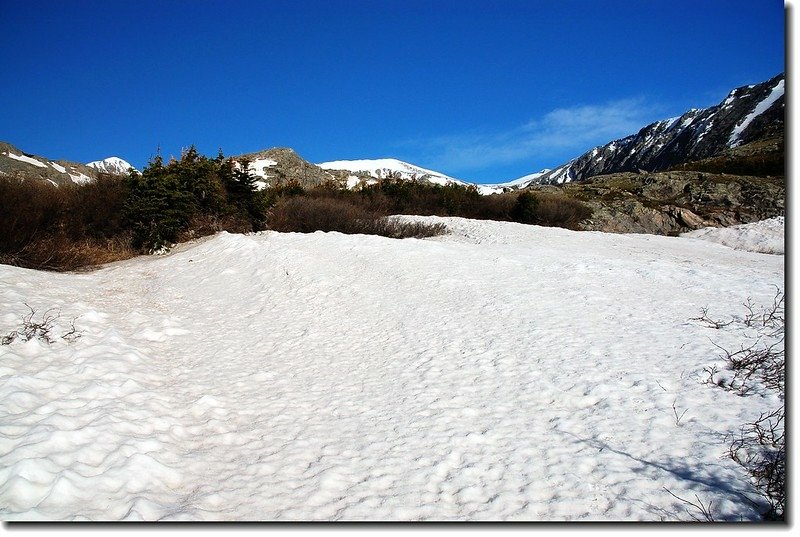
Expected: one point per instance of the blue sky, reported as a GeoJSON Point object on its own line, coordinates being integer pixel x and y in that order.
{"type": "Point", "coordinates": [484, 91]}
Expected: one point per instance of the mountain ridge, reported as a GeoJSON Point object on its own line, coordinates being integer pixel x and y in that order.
{"type": "Point", "coordinates": [15, 162]}
{"type": "Point", "coordinates": [752, 113]}
{"type": "Point", "coordinates": [748, 113]}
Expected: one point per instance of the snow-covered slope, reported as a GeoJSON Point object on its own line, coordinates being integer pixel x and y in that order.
{"type": "Point", "coordinates": [519, 182]}
{"type": "Point", "coordinates": [375, 169]}
{"type": "Point", "coordinates": [766, 236]}
{"type": "Point", "coordinates": [502, 372]}
{"type": "Point", "coordinates": [747, 114]}
{"type": "Point", "coordinates": [388, 167]}
{"type": "Point", "coordinates": [113, 165]}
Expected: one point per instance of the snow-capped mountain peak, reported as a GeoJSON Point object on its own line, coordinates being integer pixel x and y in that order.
{"type": "Point", "coordinates": [113, 165]}
{"type": "Point", "coordinates": [383, 168]}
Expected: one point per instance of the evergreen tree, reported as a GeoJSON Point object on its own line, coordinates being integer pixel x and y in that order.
{"type": "Point", "coordinates": [163, 200]}
{"type": "Point", "coordinates": [526, 209]}
{"type": "Point", "coordinates": [157, 208]}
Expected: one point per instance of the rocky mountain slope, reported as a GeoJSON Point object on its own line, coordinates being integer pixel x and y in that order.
{"type": "Point", "coordinates": [282, 164]}
{"type": "Point", "coordinates": [749, 114]}
{"type": "Point", "coordinates": [16, 163]}
{"type": "Point", "coordinates": [673, 202]}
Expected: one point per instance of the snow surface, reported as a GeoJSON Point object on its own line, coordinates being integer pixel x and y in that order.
{"type": "Point", "coordinates": [58, 167]}
{"type": "Point", "coordinates": [763, 106]}
{"type": "Point", "coordinates": [500, 372]}
{"type": "Point", "coordinates": [26, 159]}
{"type": "Point", "coordinates": [766, 236]}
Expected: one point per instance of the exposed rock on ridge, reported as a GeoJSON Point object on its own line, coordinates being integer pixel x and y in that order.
{"type": "Point", "coordinates": [280, 165]}
{"type": "Point", "coordinates": [669, 203]}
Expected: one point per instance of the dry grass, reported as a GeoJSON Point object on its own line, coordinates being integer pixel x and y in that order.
{"type": "Point", "coordinates": [59, 252]}
{"type": "Point", "coordinates": [62, 228]}
{"type": "Point", "coordinates": [309, 214]}
{"type": "Point", "coordinates": [561, 211]}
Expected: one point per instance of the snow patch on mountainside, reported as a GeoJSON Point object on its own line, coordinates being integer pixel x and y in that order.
{"type": "Point", "coordinates": [763, 106]}
{"type": "Point", "coordinates": [80, 178]}
{"type": "Point", "coordinates": [261, 166]}
{"type": "Point", "coordinates": [58, 167]}
{"type": "Point", "coordinates": [695, 135]}
{"type": "Point", "coordinates": [26, 159]}
{"type": "Point", "coordinates": [388, 167]}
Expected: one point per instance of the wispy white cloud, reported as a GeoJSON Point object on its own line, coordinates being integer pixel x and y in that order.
{"type": "Point", "coordinates": [562, 133]}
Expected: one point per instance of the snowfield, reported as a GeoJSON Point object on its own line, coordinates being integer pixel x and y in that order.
{"type": "Point", "coordinates": [766, 236]}
{"type": "Point", "coordinates": [500, 372]}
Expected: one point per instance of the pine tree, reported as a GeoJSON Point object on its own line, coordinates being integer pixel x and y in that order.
{"type": "Point", "coordinates": [158, 208]}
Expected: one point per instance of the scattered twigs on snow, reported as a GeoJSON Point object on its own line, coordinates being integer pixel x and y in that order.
{"type": "Point", "coordinates": [705, 510]}
{"type": "Point", "coordinates": [41, 329]}
{"type": "Point", "coordinates": [759, 364]}
{"type": "Point", "coordinates": [678, 418]}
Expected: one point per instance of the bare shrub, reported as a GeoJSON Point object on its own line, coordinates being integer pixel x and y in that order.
{"type": "Point", "coordinates": [561, 211]}
{"type": "Point", "coordinates": [552, 210]}
{"type": "Point", "coordinates": [760, 360]}
{"type": "Point", "coordinates": [761, 448]}
{"type": "Point", "coordinates": [759, 364]}
{"type": "Point", "coordinates": [202, 225]}
{"type": "Point", "coordinates": [308, 214]}
{"type": "Point", "coordinates": [28, 209]}
{"type": "Point", "coordinates": [59, 252]}
{"type": "Point", "coordinates": [496, 207]}
{"type": "Point", "coordinates": [711, 323]}
{"type": "Point", "coordinates": [42, 329]}
{"type": "Point", "coordinates": [397, 229]}
{"type": "Point", "coordinates": [62, 228]}
{"type": "Point", "coordinates": [705, 513]}
{"type": "Point", "coordinates": [95, 209]}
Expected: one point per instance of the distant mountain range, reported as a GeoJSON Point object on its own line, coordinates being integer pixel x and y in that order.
{"type": "Point", "coordinates": [13, 162]}
{"type": "Point", "coordinates": [370, 170]}
{"type": "Point", "coordinates": [749, 114]}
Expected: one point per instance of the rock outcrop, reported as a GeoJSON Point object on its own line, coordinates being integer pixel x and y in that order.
{"type": "Point", "coordinates": [281, 165]}
{"type": "Point", "coordinates": [669, 203]}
